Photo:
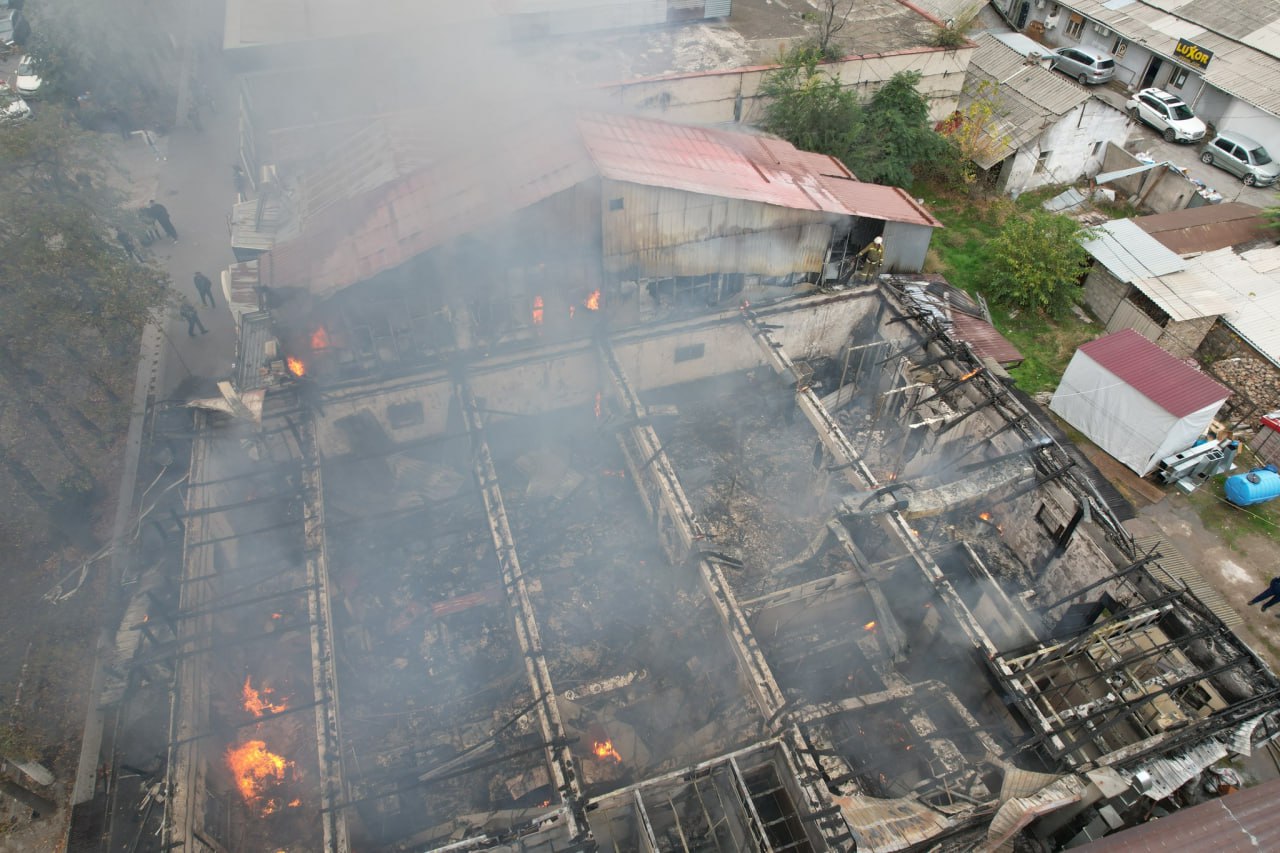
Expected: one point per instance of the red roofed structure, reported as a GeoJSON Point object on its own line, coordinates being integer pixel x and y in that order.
{"type": "Point", "coordinates": [663, 201]}
{"type": "Point", "coordinates": [1136, 401]}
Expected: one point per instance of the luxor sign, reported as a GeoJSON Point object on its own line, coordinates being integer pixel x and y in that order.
{"type": "Point", "coordinates": [1192, 54]}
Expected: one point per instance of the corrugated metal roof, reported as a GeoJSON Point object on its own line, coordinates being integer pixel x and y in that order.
{"type": "Point", "coordinates": [1186, 295]}
{"type": "Point", "coordinates": [737, 165]}
{"type": "Point", "coordinates": [1171, 567]}
{"type": "Point", "coordinates": [1206, 228]}
{"type": "Point", "coordinates": [1247, 67]}
{"type": "Point", "coordinates": [1251, 284]}
{"type": "Point", "coordinates": [985, 339]}
{"type": "Point", "coordinates": [1128, 252]}
{"type": "Point", "coordinates": [1170, 772]}
{"type": "Point", "coordinates": [1026, 97]}
{"type": "Point", "coordinates": [355, 238]}
{"type": "Point", "coordinates": [1246, 820]}
{"type": "Point", "coordinates": [1154, 373]}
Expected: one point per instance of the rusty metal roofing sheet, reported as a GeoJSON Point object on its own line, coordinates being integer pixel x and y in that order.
{"type": "Point", "coordinates": [1129, 252]}
{"type": "Point", "coordinates": [737, 165]}
{"type": "Point", "coordinates": [355, 238]}
{"type": "Point", "coordinates": [1206, 228]}
{"type": "Point", "coordinates": [1246, 820]}
{"type": "Point", "coordinates": [1157, 375]}
{"type": "Point", "coordinates": [985, 339]}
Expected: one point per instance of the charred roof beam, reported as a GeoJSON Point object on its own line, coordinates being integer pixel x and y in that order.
{"type": "Point", "coordinates": [556, 745]}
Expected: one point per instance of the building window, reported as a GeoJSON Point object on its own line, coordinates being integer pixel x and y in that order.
{"type": "Point", "coordinates": [615, 204]}
{"type": "Point", "coordinates": [1042, 160]}
{"type": "Point", "coordinates": [1118, 49]}
{"type": "Point", "coordinates": [1075, 25]}
{"type": "Point", "coordinates": [691, 352]}
{"type": "Point", "coordinates": [1097, 146]}
{"type": "Point", "coordinates": [1179, 78]}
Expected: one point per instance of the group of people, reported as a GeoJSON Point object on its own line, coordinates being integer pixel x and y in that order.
{"type": "Point", "coordinates": [159, 214]}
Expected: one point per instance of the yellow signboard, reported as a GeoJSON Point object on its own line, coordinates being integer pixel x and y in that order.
{"type": "Point", "coordinates": [1193, 55]}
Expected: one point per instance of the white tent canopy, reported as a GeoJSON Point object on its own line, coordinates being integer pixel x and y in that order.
{"type": "Point", "coordinates": [1135, 401]}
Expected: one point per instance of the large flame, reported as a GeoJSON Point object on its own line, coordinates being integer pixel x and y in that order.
{"type": "Point", "coordinates": [604, 749]}
{"type": "Point", "coordinates": [870, 626]}
{"type": "Point", "coordinates": [296, 366]}
{"type": "Point", "coordinates": [256, 701]}
{"type": "Point", "coordinates": [253, 766]}
{"type": "Point", "coordinates": [593, 301]}
{"type": "Point", "coordinates": [971, 374]}
{"type": "Point", "coordinates": [319, 339]}
{"type": "Point", "coordinates": [537, 310]}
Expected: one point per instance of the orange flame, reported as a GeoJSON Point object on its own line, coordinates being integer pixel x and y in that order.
{"type": "Point", "coordinates": [985, 516]}
{"type": "Point", "coordinates": [971, 374]}
{"type": "Point", "coordinates": [297, 801]}
{"type": "Point", "coordinates": [319, 339]}
{"type": "Point", "coordinates": [253, 766]}
{"type": "Point", "coordinates": [593, 301]}
{"type": "Point", "coordinates": [870, 626]}
{"type": "Point", "coordinates": [604, 749]}
{"type": "Point", "coordinates": [296, 366]}
{"type": "Point", "coordinates": [537, 310]}
{"type": "Point", "coordinates": [256, 701]}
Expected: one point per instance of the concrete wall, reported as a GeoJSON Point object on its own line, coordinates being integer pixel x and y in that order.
{"type": "Point", "coordinates": [1076, 143]}
{"type": "Point", "coordinates": [1253, 122]}
{"type": "Point", "coordinates": [1103, 292]}
{"type": "Point", "coordinates": [1182, 338]}
{"type": "Point", "coordinates": [1165, 191]}
{"type": "Point", "coordinates": [724, 97]}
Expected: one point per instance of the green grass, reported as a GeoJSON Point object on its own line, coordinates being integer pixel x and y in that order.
{"type": "Point", "coordinates": [959, 253]}
{"type": "Point", "coordinates": [1235, 523]}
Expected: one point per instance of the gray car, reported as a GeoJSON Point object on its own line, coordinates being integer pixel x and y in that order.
{"type": "Point", "coordinates": [1242, 157]}
{"type": "Point", "coordinates": [1084, 63]}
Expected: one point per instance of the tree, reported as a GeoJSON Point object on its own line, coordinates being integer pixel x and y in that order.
{"type": "Point", "coordinates": [975, 133]}
{"type": "Point", "coordinates": [808, 107]}
{"type": "Point", "coordinates": [882, 142]}
{"type": "Point", "coordinates": [894, 134]}
{"type": "Point", "coordinates": [832, 17]}
{"type": "Point", "coordinates": [954, 32]}
{"type": "Point", "coordinates": [1036, 262]}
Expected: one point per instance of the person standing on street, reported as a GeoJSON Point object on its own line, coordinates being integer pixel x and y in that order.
{"type": "Point", "coordinates": [205, 288]}
{"type": "Point", "coordinates": [1270, 595]}
{"type": "Point", "coordinates": [188, 312]}
{"type": "Point", "coordinates": [160, 214]}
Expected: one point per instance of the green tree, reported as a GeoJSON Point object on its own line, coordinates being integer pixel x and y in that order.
{"type": "Point", "coordinates": [1036, 262]}
{"type": "Point", "coordinates": [894, 135]}
{"type": "Point", "coordinates": [808, 107]}
{"type": "Point", "coordinates": [882, 142]}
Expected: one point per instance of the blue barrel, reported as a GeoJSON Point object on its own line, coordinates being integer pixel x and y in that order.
{"type": "Point", "coordinates": [1257, 486]}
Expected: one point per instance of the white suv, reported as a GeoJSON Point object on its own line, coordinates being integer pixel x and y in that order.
{"type": "Point", "coordinates": [1167, 114]}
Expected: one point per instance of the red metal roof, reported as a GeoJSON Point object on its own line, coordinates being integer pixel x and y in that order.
{"type": "Point", "coordinates": [984, 339]}
{"type": "Point", "coordinates": [737, 165]}
{"type": "Point", "coordinates": [1157, 375]}
{"type": "Point", "coordinates": [1247, 820]}
{"type": "Point", "coordinates": [1206, 228]}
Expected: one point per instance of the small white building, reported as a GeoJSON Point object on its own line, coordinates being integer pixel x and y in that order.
{"type": "Point", "coordinates": [1134, 400]}
{"type": "Point", "coordinates": [1044, 128]}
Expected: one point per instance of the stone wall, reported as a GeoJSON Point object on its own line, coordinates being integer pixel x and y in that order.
{"type": "Point", "coordinates": [1254, 381]}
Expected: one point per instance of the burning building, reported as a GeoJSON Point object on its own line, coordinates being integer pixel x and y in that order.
{"type": "Point", "coordinates": [735, 555]}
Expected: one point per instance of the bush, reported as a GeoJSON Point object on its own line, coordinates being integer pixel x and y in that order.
{"type": "Point", "coordinates": [1036, 262]}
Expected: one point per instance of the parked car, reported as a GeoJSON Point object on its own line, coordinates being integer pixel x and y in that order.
{"type": "Point", "coordinates": [1084, 63]}
{"type": "Point", "coordinates": [27, 81]}
{"type": "Point", "coordinates": [12, 107]}
{"type": "Point", "coordinates": [1167, 114]}
{"type": "Point", "coordinates": [1242, 157]}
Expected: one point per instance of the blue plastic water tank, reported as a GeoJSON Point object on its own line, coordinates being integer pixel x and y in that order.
{"type": "Point", "coordinates": [1257, 486]}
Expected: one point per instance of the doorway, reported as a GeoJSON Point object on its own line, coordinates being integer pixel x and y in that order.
{"type": "Point", "coordinates": [1023, 11]}
{"type": "Point", "coordinates": [1153, 68]}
